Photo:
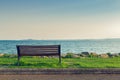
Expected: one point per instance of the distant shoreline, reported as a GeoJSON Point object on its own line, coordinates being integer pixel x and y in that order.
{"type": "Point", "coordinates": [58, 39]}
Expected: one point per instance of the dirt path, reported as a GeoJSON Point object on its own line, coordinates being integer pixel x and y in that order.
{"type": "Point", "coordinates": [62, 77]}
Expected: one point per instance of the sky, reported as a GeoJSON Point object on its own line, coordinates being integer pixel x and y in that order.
{"type": "Point", "coordinates": [59, 19]}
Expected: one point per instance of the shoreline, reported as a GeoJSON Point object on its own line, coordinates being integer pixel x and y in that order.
{"type": "Point", "coordinates": [75, 55]}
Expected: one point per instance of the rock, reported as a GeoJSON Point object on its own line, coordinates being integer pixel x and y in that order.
{"type": "Point", "coordinates": [109, 54]}
{"type": "Point", "coordinates": [85, 53]}
{"type": "Point", "coordinates": [1, 54]}
{"type": "Point", "coordinates": [94, 54]}
{"type": "Point", "coordinates": [115, 55]}
{"type": "Point", "coordinates": [104, 56]}
{"type": "Point", "coordinates": [76, 56]}
{"type": "Point", "coordinates": [82, 55]}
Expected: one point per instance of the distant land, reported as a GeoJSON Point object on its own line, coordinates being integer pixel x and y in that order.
{"type": "Point", "coordinates": [76, 39]}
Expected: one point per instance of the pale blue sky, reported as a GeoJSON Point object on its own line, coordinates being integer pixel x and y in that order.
{"type": "Point", "coordinates": [59, 19]}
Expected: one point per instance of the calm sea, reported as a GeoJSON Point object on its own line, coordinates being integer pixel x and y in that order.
{"type": "Point", "coordinates": [75, 46]}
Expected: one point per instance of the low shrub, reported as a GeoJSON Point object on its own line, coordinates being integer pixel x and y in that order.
{"type": "Point", "coordinates": [9, 55]}
{"type": "Point", "coordinates": [69, 55]}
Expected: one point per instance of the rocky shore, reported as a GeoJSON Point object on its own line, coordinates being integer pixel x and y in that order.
{"type": "Point", "coordinates": [76, 55]}
{"type": "Point", "coordinates": [90, 54]}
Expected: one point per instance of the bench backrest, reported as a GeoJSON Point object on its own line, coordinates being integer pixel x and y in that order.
{"type": "Point", "coordinates": [43, 50]}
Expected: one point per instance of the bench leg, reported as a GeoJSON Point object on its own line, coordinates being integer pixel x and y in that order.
{"type": "Point", "coordinates": [18, 61]}
{"type": "Point", "coordinates": [60, 59]}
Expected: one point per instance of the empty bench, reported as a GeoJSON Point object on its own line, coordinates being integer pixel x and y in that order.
{"type": "Point", "coordinates": [42, 50]}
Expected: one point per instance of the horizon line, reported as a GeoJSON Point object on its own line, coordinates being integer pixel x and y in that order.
{"type": "Point", "coordinates": [63, 39]}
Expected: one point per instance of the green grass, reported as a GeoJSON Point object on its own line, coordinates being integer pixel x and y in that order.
{"type": "Point", "coordinates": [36, 62]}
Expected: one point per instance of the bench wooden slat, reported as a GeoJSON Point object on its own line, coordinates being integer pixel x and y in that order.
{"type": "Point", "coordinates": [43, 46]}
{"type": "Point", "coordinates": [44, 53]}
{"type": "Point", "coordinates": [39, 54]}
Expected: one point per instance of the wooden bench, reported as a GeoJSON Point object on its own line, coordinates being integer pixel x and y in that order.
{"type": "Point", "coordinates": [42, 50]}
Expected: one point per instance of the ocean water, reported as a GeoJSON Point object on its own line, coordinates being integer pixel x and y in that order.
{"type": "Point", "coordinates": [75, 46]}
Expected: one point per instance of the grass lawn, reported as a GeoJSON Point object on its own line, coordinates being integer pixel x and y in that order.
{"type": "Point", "coordinates": [37, 62]}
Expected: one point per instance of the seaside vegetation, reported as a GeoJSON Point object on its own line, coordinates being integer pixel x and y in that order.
{"type": "Point", "coordinates": [69, 60]}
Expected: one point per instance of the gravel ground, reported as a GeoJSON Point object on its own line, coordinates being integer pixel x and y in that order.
{"type": "Point", "coordinates": [62, 77]}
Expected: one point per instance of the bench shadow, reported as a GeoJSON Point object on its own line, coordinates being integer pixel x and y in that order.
{"type": "Point", "coordinates": [36, 65]}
